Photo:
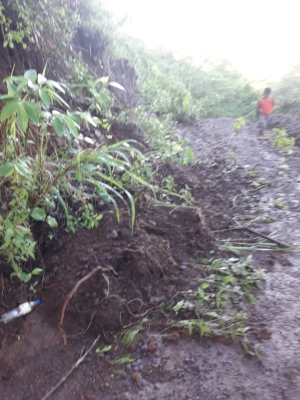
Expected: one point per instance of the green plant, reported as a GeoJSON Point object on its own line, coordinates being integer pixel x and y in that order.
{"type": "Point", "coordinates": [126, 359]}
{"type": "Point", "coordinates": [282, 141]}
{"type": "Point", "coordinates": [278, 203]}
{"type": "Point", "coordinates": [25, 23]}
{"type": "Point", "coordinates": [252, 174]}
{"type": "Point", "coordinates": [101, 351]}
{"type": "Point", "coordinates": [255, 184]}
{"type": "Point", "coordinates": [45, 162]}
{"type": "Point", "coordinates": [216, 304]}
{"type": "Point", "coordinates": [130, 336]}
{"type": "Point", "coordinates": [239, 123]}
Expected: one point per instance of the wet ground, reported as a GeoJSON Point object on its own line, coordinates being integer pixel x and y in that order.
{"type": "Point", "coordinates": [237, 179]}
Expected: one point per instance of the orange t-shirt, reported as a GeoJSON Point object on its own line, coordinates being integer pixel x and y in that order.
{"type": "Point", "coordinates": [265, 105]}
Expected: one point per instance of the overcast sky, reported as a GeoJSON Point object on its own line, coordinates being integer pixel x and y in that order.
{"type": "Point", "coordinates": [261, 38]}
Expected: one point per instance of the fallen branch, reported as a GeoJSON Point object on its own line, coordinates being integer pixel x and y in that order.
{"type": "Point", "coordinates": [78, 362]}
{"type": "Point", "coordinates": [75, 288]}
{"type": "Point", "coordinates": [261, 235]}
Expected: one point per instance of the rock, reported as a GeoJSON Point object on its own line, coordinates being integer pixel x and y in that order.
{"type": "Point", "coordinates": [113, 234]}
{"type": "Point", "coordinates": [265, 334]}
{"type": "Point", "coordinates": [171, 337]}
{"type": "Point", "coordinates": [136, 378]}
{"type": "Point", "coordinates": [157, 299]}
{"type": "Point", "coordinates": [152, 347]}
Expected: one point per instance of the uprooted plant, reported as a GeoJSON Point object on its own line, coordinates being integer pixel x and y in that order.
{"type": "Point", "coordinates": [216, 307]}
{"type": "Point", "coordinates": [49, 159]}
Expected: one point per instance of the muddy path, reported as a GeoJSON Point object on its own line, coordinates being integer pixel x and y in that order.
{"type": "Point", "coordinates": [236, 179]}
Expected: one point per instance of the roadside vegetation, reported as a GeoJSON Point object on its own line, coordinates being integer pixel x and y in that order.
{"type": "Point", "coordinates": [58, 160]}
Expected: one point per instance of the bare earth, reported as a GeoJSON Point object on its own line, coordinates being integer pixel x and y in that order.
{"type": "Point", "coordinates": [33, 357]}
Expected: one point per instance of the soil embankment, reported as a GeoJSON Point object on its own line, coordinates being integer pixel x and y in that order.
{"type": "Point", "coordinates": [237, 179]}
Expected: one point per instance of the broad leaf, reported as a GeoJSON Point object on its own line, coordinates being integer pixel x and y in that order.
{"type": "Point", "coordinates": [58, 126]}
{"type": "Point", "coordinates": [8, 234]}
{"type": "Point", "coordinates": [22, 117]}
{"type": "Point", "coordinates": [71, 125]}
{"type": "Point", "coordinates": [37, 271]}
{"type": "Point", "coordinates": [8, 97]}
{"type": "Point", "coordinates": [190, 155]}
{"type": "Point", "coordinates": [9, 109]}
{"type": "Point", "coordinates": [31, 75]}
{"type": "Point", "coordinates": [6, 168]}
{"type": "Point", "coordinates": [38, 214]}
{"type": "Point", "coordinates": [33, 112]}
{"type": "Point", "coordinates": [102, 98]}
{"type": "Point", "coordinates": [51, 222]}
{"type": "Point", "coordinates": [56, 85]}
{"type": "Point", "coordinates": [45, 97]}
{"type": "Point", "coordinates": [117, 85]}
{"type": "Point", "coordinates": [41, 79]}
{"type": "Point", "coordinates": [20, 169]}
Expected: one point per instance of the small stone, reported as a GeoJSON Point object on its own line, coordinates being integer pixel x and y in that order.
{"type": "Point", "coordinates": [96, 302]}
{"type": "Point", "coordinates": [136, 377]}
{"type": "Point", "coordinates": [157, 353]}
{"type": "Point", "coordinates": [157, 299]}
{"type": "Point", "coordinates": [157, 386]}
{"type": "Point", "coordinates": [265, 333]}
{"type": "Point", "coordinates": [171, 337]}
{"type": "Point", "coordinates": [152, 346]}
{"type": "Point", "coordinates": [114, 234]}
{"type": "Point", "coordinates": [152, 223]}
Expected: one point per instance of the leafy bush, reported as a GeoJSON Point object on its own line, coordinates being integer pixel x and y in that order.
{"type": "Point", "coordinates": [287, 93]}
{"type": "Point", "coordinates": [46, 159]}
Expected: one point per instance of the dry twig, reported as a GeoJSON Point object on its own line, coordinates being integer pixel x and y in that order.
{"type": "Point", "coordinates": [78, 362]}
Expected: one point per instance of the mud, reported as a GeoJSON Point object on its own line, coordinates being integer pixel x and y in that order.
{"type": "Point", "coordinates": [152, 265]}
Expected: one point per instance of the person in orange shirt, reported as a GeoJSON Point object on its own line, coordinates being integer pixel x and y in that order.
{"type": "Point", "coordinates": [264, 109]}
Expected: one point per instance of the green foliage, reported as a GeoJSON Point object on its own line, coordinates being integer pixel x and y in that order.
{"type": "Point", "coordinates": [161, 136]}
{"type": "Point", "coordinates": [129, 337]}
{"type": "Point", "coordinates": [188, 90]}
{"type": "Point", "coordinates": [278, 203]}
{"type": "Point", "coordinates": [126, 359]}
{"type": "Point", "coordinates": [287, 92]}
{"type": "Point", "coordinates": [239, 123]}
{"type": "Point", "coordinates": [223, 285]}
{"type": "Point", "coordinates": [282, 141]}
{"type": "Point", "coordinates": [40, 176]}
{"type": "Point", "coordinates": [101, 351]}
{"type": "Point", "coordinates": [48, 24]}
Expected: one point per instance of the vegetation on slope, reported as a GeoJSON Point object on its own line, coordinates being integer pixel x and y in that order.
{"type": "Point", "coordinates": [57, 156]}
